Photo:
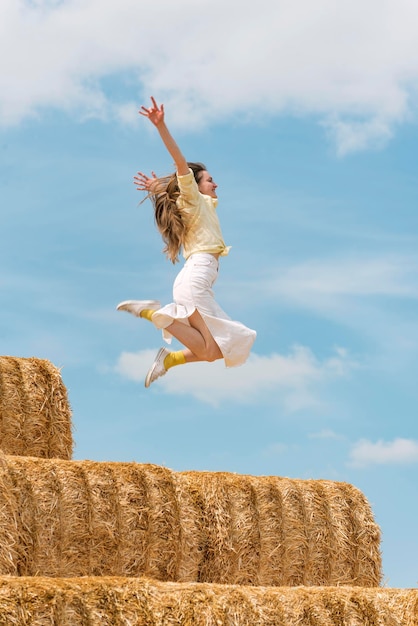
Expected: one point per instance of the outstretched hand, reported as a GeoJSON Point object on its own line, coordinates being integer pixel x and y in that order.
{"type": "Point", "coordinates": [144, 182]}
{"type": "Point", "coordinates": [155, 113]}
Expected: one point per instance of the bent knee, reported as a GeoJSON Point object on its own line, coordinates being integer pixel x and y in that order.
{"type": "Point", "coordinates": [213, 354]}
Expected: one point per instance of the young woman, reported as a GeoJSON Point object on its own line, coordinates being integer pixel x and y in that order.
{"type": "Point", "coordinates": [185, 213]}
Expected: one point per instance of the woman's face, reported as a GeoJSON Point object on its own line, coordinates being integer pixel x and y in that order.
{"type": "Point", "coordinates": [207, 185]}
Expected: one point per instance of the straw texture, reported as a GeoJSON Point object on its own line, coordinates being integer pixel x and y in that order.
{"type": "Point", "coordinates": [82, 518]}
{"type": "Point", "coordinates": [35, 416]}
{"type": "Point", "coordinates": [143, 602]}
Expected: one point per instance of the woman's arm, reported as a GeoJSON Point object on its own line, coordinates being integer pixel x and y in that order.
{"type": "Point", "coordinates": [156, 116]}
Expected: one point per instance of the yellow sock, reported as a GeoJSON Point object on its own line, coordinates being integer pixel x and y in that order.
{"type": "Point", "coordinates": [174, 358]}
{"type": "Point", "coordinates": [147, 314]}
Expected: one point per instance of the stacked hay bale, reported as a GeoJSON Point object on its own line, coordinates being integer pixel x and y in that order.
{"type": "Point", "coordinates": [144, 602]}
{"type": "Point", "coordinates": [83, 518]}
{"type": "Point", "coordinates": [35, 416]}
{"type": "Point", "coordinates": [85, 543]}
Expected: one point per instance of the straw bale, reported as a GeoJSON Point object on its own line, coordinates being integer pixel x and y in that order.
{"type": "Point", "coordinates": [85, 518]}
{"type": "Point", "coordinates": [35, 416]}
{"type": "Point", "coordinates": [192, 539]}
{"type": "Point", "coordinates": [115, 601]}
{"type": "Point", "coordinates": [9, 536]}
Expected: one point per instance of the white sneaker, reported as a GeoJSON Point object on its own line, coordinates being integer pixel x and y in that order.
{"type": "Point", "coordinates": [157, 369]}
{"type": "Point", "coordinates": [136, 306]}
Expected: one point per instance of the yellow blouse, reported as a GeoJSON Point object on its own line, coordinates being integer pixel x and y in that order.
{"type": "Point", "coordinates": [199, 211]}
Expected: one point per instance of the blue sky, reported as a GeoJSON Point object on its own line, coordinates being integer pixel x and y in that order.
{"type": "Point", "coordinates": [307, 119]}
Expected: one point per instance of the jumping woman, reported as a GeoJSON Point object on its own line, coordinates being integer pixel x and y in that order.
{"type": "Point", "coordinates": [185, 214]}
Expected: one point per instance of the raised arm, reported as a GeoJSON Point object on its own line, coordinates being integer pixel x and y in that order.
{"type": "Point", "coordinates": [155, 114]}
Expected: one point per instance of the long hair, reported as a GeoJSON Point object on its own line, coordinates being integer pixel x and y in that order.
{"type": "Point", "coordinates": [168, 217]}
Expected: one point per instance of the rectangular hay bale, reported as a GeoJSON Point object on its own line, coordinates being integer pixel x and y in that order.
{"type": "Point", "coordinates": [35, 415]}
{"type": "Point", "coordinates": [105, 601]}
{"type": "Point", "coordinates": [84, 518]}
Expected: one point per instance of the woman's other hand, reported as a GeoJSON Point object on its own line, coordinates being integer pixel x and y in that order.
{"type": "Point", "coordinates": [144, 182]}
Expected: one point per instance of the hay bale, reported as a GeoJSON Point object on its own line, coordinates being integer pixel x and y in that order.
{"type": "Point", "coordinates": [107, 601]}
{"type": "Point", "coordinates": [9, 536]}
{"type": "Point", "coordinates": [35, 416]}
{"type": "Point", "coordinates": [80, 518]}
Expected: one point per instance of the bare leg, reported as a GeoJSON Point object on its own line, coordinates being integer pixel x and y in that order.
{"type": "Point", "coordinates": [200, 345]}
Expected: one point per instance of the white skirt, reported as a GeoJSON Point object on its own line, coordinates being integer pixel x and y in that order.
{"type": "Point", "coordinates": [192, 291]}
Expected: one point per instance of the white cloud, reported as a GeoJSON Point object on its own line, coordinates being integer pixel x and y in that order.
{"type": "Point", "coordinates": [351, 64]}
{"type": "Point", "coordinates": [359, 276]}
{"type": "Point", "coordinates": [275, 449]}
{"type": "Point", "coordinates": [293, 381]}
{"type": "Point", "coordinates": [134, 365]}
{"type": "Point", "coordinates": [326, 433]}
{"type": "Point", "coordinates": [397, 452]}
{"type": "Point", "coordinates": [368, 294]}
{"type": "Point", "coordinates": [353, 135]}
